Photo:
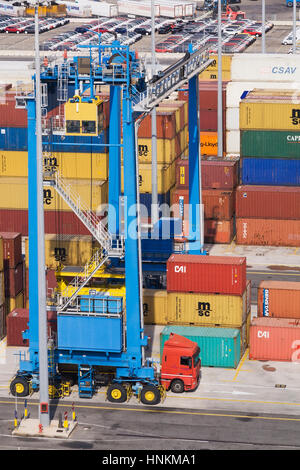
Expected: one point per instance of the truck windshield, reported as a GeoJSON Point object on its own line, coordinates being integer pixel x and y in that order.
{"type": "Point", "coordinates": [196, 357]}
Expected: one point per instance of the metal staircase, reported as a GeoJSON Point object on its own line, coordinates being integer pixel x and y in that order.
{"type": "Point", "coordinates": [113, 247]}
{"type": "Point", "coordinates": [79, 281]}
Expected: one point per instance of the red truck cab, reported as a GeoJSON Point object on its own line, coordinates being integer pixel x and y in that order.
{"type": "Point", "coordinates": [180, 364]}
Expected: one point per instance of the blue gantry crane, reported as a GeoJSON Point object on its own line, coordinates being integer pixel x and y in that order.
{"type": "Point", "coordinates": [96, 332]}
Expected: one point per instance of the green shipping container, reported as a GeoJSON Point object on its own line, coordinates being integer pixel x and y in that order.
{"type": "Point", "coordinates": [219, 347]}
{"type": "Point", "coordinates": [270, 144]}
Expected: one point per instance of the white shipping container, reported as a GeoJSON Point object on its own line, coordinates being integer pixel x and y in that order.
{"type": "Point", "coordinates": [233, 142]}
{"type": "Point", "coordinates": [163, 8]}
{"type": "Point", "coordinates": [265, 67]}
{"type": "Point", "coordinates": [232, 119]}
{"type": "Point", "coordinates": [234, 90]}
{"type": "Point", "coordinates": [103, 9]}
{"type": "Point", "coordinates": [137, 8]}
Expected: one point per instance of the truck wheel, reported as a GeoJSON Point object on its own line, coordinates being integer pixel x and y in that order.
{"type": "Point", "coordinates": [150, 395]}
{"type": "Point", "coordinates": [19, 387]}
{"type": "Point", "coordinates": [116, 393]}
{"type": "Point", "coordinates": [289, 4]}
{"type": "Point", "coordinates": [177, 386]}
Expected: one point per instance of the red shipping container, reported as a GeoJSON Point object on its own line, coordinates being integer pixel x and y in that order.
{"type": "Point", "coordinates": [216, 173]}
{"type": "Point", "coordinates": [12, 249]}
{"type": "Point", "coordinates": [267, 232]}
{"type": "Point", "coordinates": [209, 120]}
{"type": "Point", "coordinates": [274, 339]}
{"type": "Point", "coordinates": [14, 280]}
{"type": "Point", "coordinates": [209, 274]}
{"type": "Point", "coordinates": [268, 202]}
{"type": "Point", "coordinates": [278, 299]}
{"type": "Point", "coordinates": [64, 222]}
{"type": "Point", "coordinates": [2, 322]}
{"type": "Point", "coordinates": [51, 282]}
{"type": "Point", "coordinates": [218, 204]}
{"type": "Point", "coordinates": [208, 94]}
{"type": "Point", "coordinates": [218, 231]}
{"type": "Point", "coordinates": [9, 115]}
{"type": "Point", "coordinates": [17, 321]}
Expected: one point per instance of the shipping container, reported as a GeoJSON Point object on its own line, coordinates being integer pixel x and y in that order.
{"type": "Point", "coordinates": [270, 171]}
{"type": "Point", "coordinates": [218, 203]}
{"type": "Point", "coordinates": [1, 254]}
{"type": "Point", "coordinates": [2, 322]}
{"type": "Point", "coordinates": [203, 309]}
{"type": "Point", "coordinates": [274, 339]}
{"type": "Point", "coordinates": [167, 149]}
{"type": "Point", "coordinates": [14, 194]}
{"type": "Point", "coordinates": [12, 303]}
{"type": "Point", "coordinates": [249, 298]}
{"type": "Point", "coordinates": [216, 173]}
{"type": "Point", "coordinates": [209, 274]}
{"type": "Point", "coordinates": [166, 177]}
{"type": "Point", "coordinates": [12, 249]}
{"type": "Point", "coordinates": [17, 321]}
{"type": "Point", "coordinates": [9, 115]}
{"type": "Point", "coordinates": [219, 231]}
{"type": "Point", "coordinates": [232, 142]}
{"type": "Point", "coordinates": [232, 122]}
{"type": "Point", "coordinates": [66, 249]}
{"type": "Point", "coordinates": [14, 280]}
{"type": "Point", "coordinates": [266, 68]}
{"type": "Point", "coordinates": [268, 202]}
{"type": "Point", "coordinates": [278, 299]}
{"type": "Point", "coordinates": [155, 307]}
{"type": "Point", "coordinates": [61, 222]}
{"type": "Point", "coordinates": [167, 122]}
{"type": "Point", "coordinates": [268, 232]}
{"type": "Point", "coordinates": [219, 347]}
{"type": "Point", "coordinates": [236, 90]}
{"type": "Point", "coordinates": [2, 289]}
{"type": "Point", "coordinates": [69, 165]}
{"type": "Point", "coordinates": [209, 143]}
{"type": "Point", "coordinates": [270, 144]}
{"type": "Point", "coordinates": [276, 115]}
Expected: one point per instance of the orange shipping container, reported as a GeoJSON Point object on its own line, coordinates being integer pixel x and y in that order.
{"type": "Point", "coordinates": [215, 231]}
{"type": "Point", "coordinates": [279, 299]}
{"type": "Point", "coordinates": [271, 232]}
{"type": "Point", "coordinates": [274, 339]}
{"type": "Point", "coordinates": [209, 143]}
{"type": "Point", "coordinates": [218, 204]}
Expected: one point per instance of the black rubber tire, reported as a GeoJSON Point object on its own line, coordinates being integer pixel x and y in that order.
{"type": "Point", "coordinates": [150, 395]}
{"type": "Point", "coordinates": [116, 393]}
{"type": "Point", "coordinates": [19, 387]}
{"type": "Point", "coordinates": [177, 386]}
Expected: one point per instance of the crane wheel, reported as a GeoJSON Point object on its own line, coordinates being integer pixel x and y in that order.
{"type": "Point", "coordinates": [177, 386]}
{"type": "Point", "coordinates": [150, 395]}
{"type": "Point", "coordinates": [19, 387]}
{"type": "Point", "coordinates": [116, 393]}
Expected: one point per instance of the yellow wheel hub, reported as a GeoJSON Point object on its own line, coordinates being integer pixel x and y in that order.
{"type": "Point", "coordinates": [116, 394]}
{"type": "Point", "coordinates": [19, 388]}
{"type": "Point", "coordinates": [149, 396]}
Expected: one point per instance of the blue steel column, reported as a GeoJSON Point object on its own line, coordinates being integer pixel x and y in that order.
{"type": "Point", "coordinates": [114, 177]}
{"type": "Point", "coordinates": [195, 196]}
{"type": "Point", "coordinates": [32, 235]}
{"type": "Point", "coordinates": [132, 245]}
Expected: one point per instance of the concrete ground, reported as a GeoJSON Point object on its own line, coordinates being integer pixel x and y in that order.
{"type": "Point", "coordinates": [253, 387]}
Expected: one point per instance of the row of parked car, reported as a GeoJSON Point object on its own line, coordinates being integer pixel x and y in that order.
{"type": "Point", "coordinates": [25, 25]}
{"type": "Point", "coordinates": [126, 30]}
{"type": "Point", "coordinates": [237, 35]}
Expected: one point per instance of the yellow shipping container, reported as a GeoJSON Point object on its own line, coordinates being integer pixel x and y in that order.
{"type": "Point", "coordinates": [272, 115]}
{"type": "Point", "coordinates": [155, 306]}
{"type": "Point", "coordinates": [2, 294]}
{"type": "Point", "coordinates": [70, 165]}
{"type": "Point", "coordinates": [14, 194]}
{"type": "Point", "coordinates": [14, 302]}
{"type": "Point", "coordinates": [208, 75]}
{"type": "Point", "coordinates": [166, 178]}
{"type": "Point", "coordinates": [68, 250]}
{"type": "Point", "coordinates": [207, 309]}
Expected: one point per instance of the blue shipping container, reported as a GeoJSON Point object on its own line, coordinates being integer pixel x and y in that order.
{"type": "Point", "coordinates": [13, 138]}
{"type": "Point", "coordinates": [270, 171]}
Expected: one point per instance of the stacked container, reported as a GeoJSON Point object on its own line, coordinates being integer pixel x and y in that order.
{"type": "Point", "coordinates": [212, 294]}
{"type": "Point", "coordinates": [268, 214]}
{"type": "Point", "coordinates": [275, 333]}
{"type": "Point", "coordinates": [211, 72]}
{"type": "Point", "coordinates": [13, 270]}
{"type": "Point", "coordinates": [219, 180]}
{"type": "Point", "coordinates": [2, 296]}
{"type": "Point", "coordinates": [17, 322]}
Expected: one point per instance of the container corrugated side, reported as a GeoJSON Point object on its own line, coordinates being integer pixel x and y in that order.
{"type": "Point", "coordinates": [219, 347]}
{"type": "Point", "coordinates": [279, 299]}
{"type": "Point", "coordinates": [207, 309]}
{"type": "Point", "coordinates": [270, 171]}
{"type": "Point", "coordinates": [12, 249]}
{"type": "Point", "coordinates": [209, 274]}
{"type": "Point", "coordinates": [268, 115]}
{"type": "Point", "coordinates": [218, 203]}
{"type": "Point", "coordinates": [267, 232]}
{"type": "Point", "coordinates": [268, 202]}
{"type": "Point", "coordinates": [270, 144]}
{"type": "Point", "coordinates": [166, 177]}
{"type": "Point", "coordinates": [266, 68]}
{"type": "Point", "coordinates": [274, 339]}
{"type": "Point", "coordinates": [155, 306]}
{"type": "Point", "coordinates": [236, 89]}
